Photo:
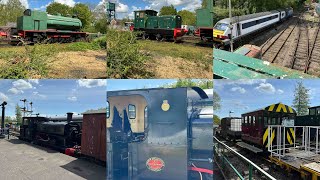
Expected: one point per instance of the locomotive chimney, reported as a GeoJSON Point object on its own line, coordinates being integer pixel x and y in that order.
{"type": "Point", "coordinates": [69, 116]}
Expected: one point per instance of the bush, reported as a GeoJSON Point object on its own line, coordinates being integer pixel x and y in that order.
{"type": "Point", "coordinates": [33, 63]}
{"type": "Point", "coordinates": [124, 59]}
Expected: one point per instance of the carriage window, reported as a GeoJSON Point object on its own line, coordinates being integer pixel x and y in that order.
{"type": "Point", "coordinates": [273, 121]}
{"type": "Point", "coordinates": [108, 109]}
{"type": "Point", "coordinates": [253, 120]}
{"type": "Point", "coordinates": [132, 111]}
{"type": "Point", "coordinates": [259, 120]}
{"type": "Point", "coordinates": [265, 120]}
{"type": "Point", "coordinates": [269, 121]}
{"type": "Point", "coordinates": [318, 111]}
{"type": "Point", "coordinates": [145, 117]}
{"type": "Point", "coordinates": [249, 120]}
{"type": "Point", "coordinates": [242, 120]}
{"type": "Point", "coordinates": [246, 119]}
{"type": "Point", "coordinates": [312, 111]}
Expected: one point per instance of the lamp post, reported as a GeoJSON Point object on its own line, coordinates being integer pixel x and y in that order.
{"type": "Point", "coordinates": [231, 27]}
{"type": "Point", "coordinates": [2, 118]}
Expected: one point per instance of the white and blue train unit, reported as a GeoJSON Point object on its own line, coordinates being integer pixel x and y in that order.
{"type": "Point", "coordinates": [243, 26]}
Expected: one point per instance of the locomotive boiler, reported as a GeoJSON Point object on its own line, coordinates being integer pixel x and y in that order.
{"type": "Point", "coordinates": [159, 134]}
{"type": "Point", "coordinates": [58, 132]}
{"type": "Point", "coordinates": [40, 27]}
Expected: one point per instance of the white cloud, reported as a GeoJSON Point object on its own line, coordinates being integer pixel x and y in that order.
{"type": "Point", "coordinates": [70, 3]}
{"type": "Point", "coordinates": [24, 3]}
{"type": "Point", "coordinates": [238, 89]}
{"type": "Point", "coordinates": [15, 91]}
{"type": "Point", "coordinates": [38, 95]}
{"type": "Point", "coordinates": [19, 86]}
{"type": "Point", "coordinates": [190, 5]}
{"type": "Point", "coordinates": [90, 83]}
{"type": "Point", "coordinates": [279, 91]}
{"type": "Point", "coordinates": [266, 88]}
{"type": "Point", "coordinates": [72, 98]}
{"type": "Point", "coordinates": [3, 97]}
{"type": "Point", "coordinates": [34, 81]}
{"type": "Point", "coordinates": [122, 8]}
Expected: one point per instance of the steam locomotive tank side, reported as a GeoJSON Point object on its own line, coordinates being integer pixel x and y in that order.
{"type": "Point", "coordinates": [158, 134]}
{"type": "Point", "coordinates": [58, 133]}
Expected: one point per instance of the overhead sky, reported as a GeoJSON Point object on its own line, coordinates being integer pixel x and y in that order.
{"type": "Point", "coordinates": [54, 97]}
{"type": "Point", "coordinates": [126, 84]}
{"type": "Point", "coordinates": [248, 95]}
{"type": "Point", "coordinates": [124, 8]}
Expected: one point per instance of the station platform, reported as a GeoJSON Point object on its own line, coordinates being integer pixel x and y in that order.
{"type": "Point", "coordinates": [22, 160]}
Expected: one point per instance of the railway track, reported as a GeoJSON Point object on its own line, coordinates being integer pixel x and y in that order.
{"type": "Point", "coordinates": [313, 64]}
{"type": "Point", "coordinates": [271, 50]}
{"type": "Point", "coordinates": [301, 48]}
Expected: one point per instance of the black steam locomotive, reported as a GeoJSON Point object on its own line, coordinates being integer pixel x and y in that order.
{"type": "Point", "coordinates": [58, 132]}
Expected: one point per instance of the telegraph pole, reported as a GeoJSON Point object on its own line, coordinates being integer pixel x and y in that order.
{"type": "Point", "coordinates": [230, 26]}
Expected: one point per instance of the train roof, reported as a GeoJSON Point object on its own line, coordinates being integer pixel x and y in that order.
{"type": "Point", "coordinates": [247, 17]}
{"type": "Point", "coordinates": [276, 108]}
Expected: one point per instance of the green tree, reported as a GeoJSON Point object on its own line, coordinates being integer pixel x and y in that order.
{"type": "Point", "coordinates": [301, 99]}
{"type": "Point", "coordinates": [216, 120]}
{"type": "Point", "coordinates": [58, 8]}
{"type": "Point", "coordinates": [188, 17]}
{"type": "Point", "coordinates": [18, 114]}
{"type": "Point", "coordinates": [168, 10]}
{"type": "Point", "coordinates": [216, 101]}
{"type": "Point", "coordinates": [10, 11]}
{"type": "Point", "coordinates": [84, 14]}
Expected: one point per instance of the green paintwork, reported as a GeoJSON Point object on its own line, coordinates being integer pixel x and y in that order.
{"type": "Point", "coordinates": [63, 23]}
{"type": "Point", "coordinates": [234, 66]}
{"type": "Point", "coordinates": [37, 21]}
{"type": "Point", "coordinates": [205, 16]}
{"type": "Point", "coordinates": [148, 19]}
{"type": "Point", "coordinates": [41, 21]}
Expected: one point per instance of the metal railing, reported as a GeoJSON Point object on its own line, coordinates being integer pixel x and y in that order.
{"type": "Point", "coordinates": [308, 142]}
{"type": "Point", "coordinates": [220, 151]}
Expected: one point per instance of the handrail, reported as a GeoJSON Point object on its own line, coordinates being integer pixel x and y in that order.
{"type": "Point", "coordinates": [245, 159]}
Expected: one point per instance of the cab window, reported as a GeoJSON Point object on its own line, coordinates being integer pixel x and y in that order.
{"type": "Point", "coordinates": [108, 109]}
{"type": "Point", "coordinates": [132, 111]}
{"type": "Point", "coordinates": [221, 26]}
{"type": "Point", "coordinates": [145, 117]}
{"type": "Point", "coordinates": [312, 111]}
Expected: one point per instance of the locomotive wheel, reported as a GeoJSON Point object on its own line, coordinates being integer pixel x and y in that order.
{"type": "Point", "coordinates": [145, 36]}
{"type": "Point", "coordinates": [158, 37]}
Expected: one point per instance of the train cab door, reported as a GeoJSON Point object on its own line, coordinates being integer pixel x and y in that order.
{"type": "Point", "coordinates": [36, 25]}
{"type": "Point", "coordinates": [238, 30]}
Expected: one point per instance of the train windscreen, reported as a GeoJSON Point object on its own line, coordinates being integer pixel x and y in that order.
{"type": "Point", "coordinates": [221, 26]}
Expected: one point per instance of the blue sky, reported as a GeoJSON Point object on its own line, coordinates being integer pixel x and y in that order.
{"type": "Point", "coordinates": [124, 7]}
{"type": "Point", "coordinates": [126, 84]}
{"type": "Point", "coordinates": [247, 95]}
{"type": "Point", "coordinates": [54, 97]}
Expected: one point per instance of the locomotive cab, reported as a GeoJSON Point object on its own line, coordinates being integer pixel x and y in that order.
{"type": "Point", "coordinates": [149, 134]}
{"type": "Point", "coordinates": [255, 124]}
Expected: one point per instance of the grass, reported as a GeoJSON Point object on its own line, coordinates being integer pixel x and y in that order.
{"type": "Point", "coordinates": [34, 61]}
{"type": "Point", "coordinates": [199, 55]}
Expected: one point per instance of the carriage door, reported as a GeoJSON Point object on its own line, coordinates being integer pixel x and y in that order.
{"type": "Point", "coordinates": [37, 25]}
{"type": "Point", "coordinates": [238, 29]}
